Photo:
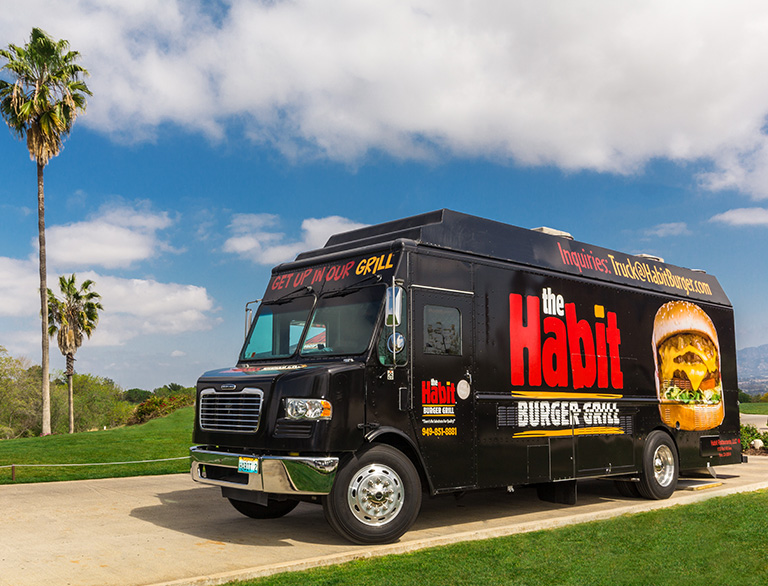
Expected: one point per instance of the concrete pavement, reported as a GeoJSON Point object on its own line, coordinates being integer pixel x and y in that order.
{"type": "Point", "coordinates": [168, 530]}
{"type": "Point", "coordinates": [759, 421]}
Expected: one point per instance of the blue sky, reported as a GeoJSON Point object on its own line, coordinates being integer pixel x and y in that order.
{"type": "Point", "coordinates": [223, 138]}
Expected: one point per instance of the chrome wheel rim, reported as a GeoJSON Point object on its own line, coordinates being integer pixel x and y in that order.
{"type": "Point", "coordinates": [664, 465]}
{"type": "Point", "coordinates": [375, 495]}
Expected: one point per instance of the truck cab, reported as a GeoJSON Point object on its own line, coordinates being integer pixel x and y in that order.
{"type": "Point", "coordinates": [327, 341]}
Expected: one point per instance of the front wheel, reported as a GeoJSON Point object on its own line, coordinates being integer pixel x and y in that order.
{"type": "Point", "coordinates": [660, 467]}
{"type": "Point", "coordinates": [274, 509]}
{"type": "Point", "coordinates": [376, 496]}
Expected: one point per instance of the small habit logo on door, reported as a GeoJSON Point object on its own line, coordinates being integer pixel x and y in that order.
{"type": "Point", "coordinates": [438, 413]}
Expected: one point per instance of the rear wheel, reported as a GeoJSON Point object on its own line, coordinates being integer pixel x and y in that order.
{"type": "Point", "coordinates": [272, 510]}
{"type": "Point", "coordinates": [660, 467]}
{"type": "Point", "coordinates": [376, 496]}
{"type": "Point", "coordinates": [628, 489]}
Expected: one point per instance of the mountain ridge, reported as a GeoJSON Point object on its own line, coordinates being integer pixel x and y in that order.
{"type": "Point", "coordinates": [752, 364]}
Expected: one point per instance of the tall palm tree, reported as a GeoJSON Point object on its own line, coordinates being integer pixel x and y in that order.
{"type": "Point", "coordinates": [75, 314]}
{"type": "Point", "coordinates": [41, 102]}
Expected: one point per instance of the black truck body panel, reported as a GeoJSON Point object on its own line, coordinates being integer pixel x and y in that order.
{"type": "Point", "coordinates": [528, 358]}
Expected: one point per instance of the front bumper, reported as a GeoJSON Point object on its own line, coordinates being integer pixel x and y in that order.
{"type": "Point", "coordinates": [275, 474]}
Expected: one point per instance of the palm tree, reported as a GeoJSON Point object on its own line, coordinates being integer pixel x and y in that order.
{"type": "Point", "coordinates": [41, 103]}
{"type": "Point", "coordinates": [77, 313]}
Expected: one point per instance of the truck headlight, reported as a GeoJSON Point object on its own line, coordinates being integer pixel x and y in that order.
{"type": "Point", "coordinates": [308, 409]}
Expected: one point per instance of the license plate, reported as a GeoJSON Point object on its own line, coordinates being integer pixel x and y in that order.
{"type": "Point", "coordinates": [248, 465]}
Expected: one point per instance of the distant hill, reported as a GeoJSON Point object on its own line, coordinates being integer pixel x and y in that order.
{"type": "Point", "coordinates": [753, 369]}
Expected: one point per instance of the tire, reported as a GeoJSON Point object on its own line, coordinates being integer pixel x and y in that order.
{"type": "Point", "coordinates": [376, 496]}
{"type": "Point", "coordinates": [627, 489]}
{"type": "Point", "coordinates": [660, 467]}
{"type": "Point", "coordinates": [274, 509]}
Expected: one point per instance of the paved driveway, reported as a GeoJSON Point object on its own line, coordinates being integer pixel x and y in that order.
{"type": "Point", "coordinates": [759, 421]}
{"type": "Point", "coordinates": [166, 529]}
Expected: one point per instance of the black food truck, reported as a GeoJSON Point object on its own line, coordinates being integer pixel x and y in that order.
{"type": "Point", "coordinates": [445, 352]}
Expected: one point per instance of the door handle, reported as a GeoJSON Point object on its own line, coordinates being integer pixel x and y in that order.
{"type": "Point", "coordinates": [404, 404]}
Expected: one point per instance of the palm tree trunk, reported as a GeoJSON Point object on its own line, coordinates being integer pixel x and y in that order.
{"type": "Point", "coordinates": [70, 372]}
{"type": "Point", "coordinates": [71, 402]}
{"type": "Point", "coordinates": [46, 384]}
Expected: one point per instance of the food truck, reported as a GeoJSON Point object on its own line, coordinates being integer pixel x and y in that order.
{"type": "Point", "coordinates": [445, 352]}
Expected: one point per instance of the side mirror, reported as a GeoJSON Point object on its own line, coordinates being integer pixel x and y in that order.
{"type": "Point", "coordinates": [249, 315]}
{"type": "Point", "coordinates": [394, 309]}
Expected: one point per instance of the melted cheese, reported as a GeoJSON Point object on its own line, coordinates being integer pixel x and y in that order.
{"type": "Point", "coordinates": [696, 372]}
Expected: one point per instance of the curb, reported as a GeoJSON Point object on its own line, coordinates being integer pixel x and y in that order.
{"type": "Point", "coordinates": [696, 494]}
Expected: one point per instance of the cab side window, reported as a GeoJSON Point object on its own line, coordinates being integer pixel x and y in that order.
{"type": "Point", "coordinates": [442, 330]}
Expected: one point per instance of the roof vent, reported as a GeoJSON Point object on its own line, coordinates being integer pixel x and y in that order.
{"type": "Point", "coordinates": [650, 257]}
{"type": "Point", "coordinates": [553, 232]}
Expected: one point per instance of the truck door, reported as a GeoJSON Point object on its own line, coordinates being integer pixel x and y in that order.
{"type": "Point", "coordinates": [443, 395]}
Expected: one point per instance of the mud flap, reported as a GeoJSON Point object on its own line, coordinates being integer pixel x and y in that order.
{"type": "Point", "coordinates": [562, 493]}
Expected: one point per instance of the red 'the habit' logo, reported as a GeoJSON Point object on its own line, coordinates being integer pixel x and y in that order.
{"type": "Point", "coordinates": [567, 341]}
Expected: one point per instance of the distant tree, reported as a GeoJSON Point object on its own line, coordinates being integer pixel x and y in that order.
{"type": "Point", "coordinates": [744, 397]}
{"type": "Point", "coordinates": [75, 314]}
{"type": "Point", "coordinates": [764, 398]}
{"type": "Point", "coordinates": [98, 403]}
{"type": "Point", "coordinates": [136, 396]}
{"type": "Point", "coordinates": [19, 401]}
{"type": "Point", "coordinates": [169, 390]}
{"type": "Point", "coordinates": [41, 103]}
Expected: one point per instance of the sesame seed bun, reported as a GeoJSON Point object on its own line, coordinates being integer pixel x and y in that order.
{"type": "Point", "coordinates": [682, 316]}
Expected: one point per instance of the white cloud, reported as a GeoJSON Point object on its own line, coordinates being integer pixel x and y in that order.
{"type": "Point", "coordinates": [135, 307]}
{"type": "Point", "coordinates": [254, 237]}
{"type": "Point", "coordinates": [22, 211]}
{"type": "Point", "coordinates": [115, 237]}
{"type": "Point", "coordinates": [597, 84]}
{"type": "Point", "coordinates": [132, 307]}
{"type": "Point", "coordinates": [669, 229]}
{"type": "Point", "coordinates": [22, 343]}
{"type": "Point", "coordinates": [19, 286]}
{"type": "Point", "coordinates": [743, 217]}
{"type": "Point", "coordinates": [251, 234]}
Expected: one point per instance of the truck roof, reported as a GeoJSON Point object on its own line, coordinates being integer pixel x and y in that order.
{"type": "Point", "coordinates": [456, 231]}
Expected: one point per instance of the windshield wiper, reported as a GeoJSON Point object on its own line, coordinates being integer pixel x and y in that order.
{"type": "Point", "coordinates": [287, 297]}
{"type": "Point", "coordinates": [354, 289]}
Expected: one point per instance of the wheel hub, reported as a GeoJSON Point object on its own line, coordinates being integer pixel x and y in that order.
{"type": "Point", "coordinates": [663, 465]}
{"type": "Point", "coordinates": [375, 495]}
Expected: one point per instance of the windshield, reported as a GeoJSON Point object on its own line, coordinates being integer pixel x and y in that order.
{"type": "Point", "coordinates": [277, 330]}
{"type": "Point", "coordinates": [342, 323]}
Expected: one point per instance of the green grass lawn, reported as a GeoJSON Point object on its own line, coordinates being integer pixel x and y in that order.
{"type": "Point", "coordinates": [754, 408]}
{"type": "Point", "coordinates": [720, 541]}
{"type": "Point", "coordinates": [168, 437]}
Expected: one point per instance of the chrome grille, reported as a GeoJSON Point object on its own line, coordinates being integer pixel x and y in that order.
{"type": "Point", "coordinates": [230, 411]}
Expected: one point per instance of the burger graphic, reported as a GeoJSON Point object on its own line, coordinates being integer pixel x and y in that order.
{"type": "Point", "coordinates": [687, 358]}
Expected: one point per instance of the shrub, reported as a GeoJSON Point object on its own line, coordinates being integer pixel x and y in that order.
{"type": "Point", "coordinates": [174, 390]}
{"type": "Point", "coordinates": [158, 407]}
{"type": "Point", "coordinates": [749, 433]}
